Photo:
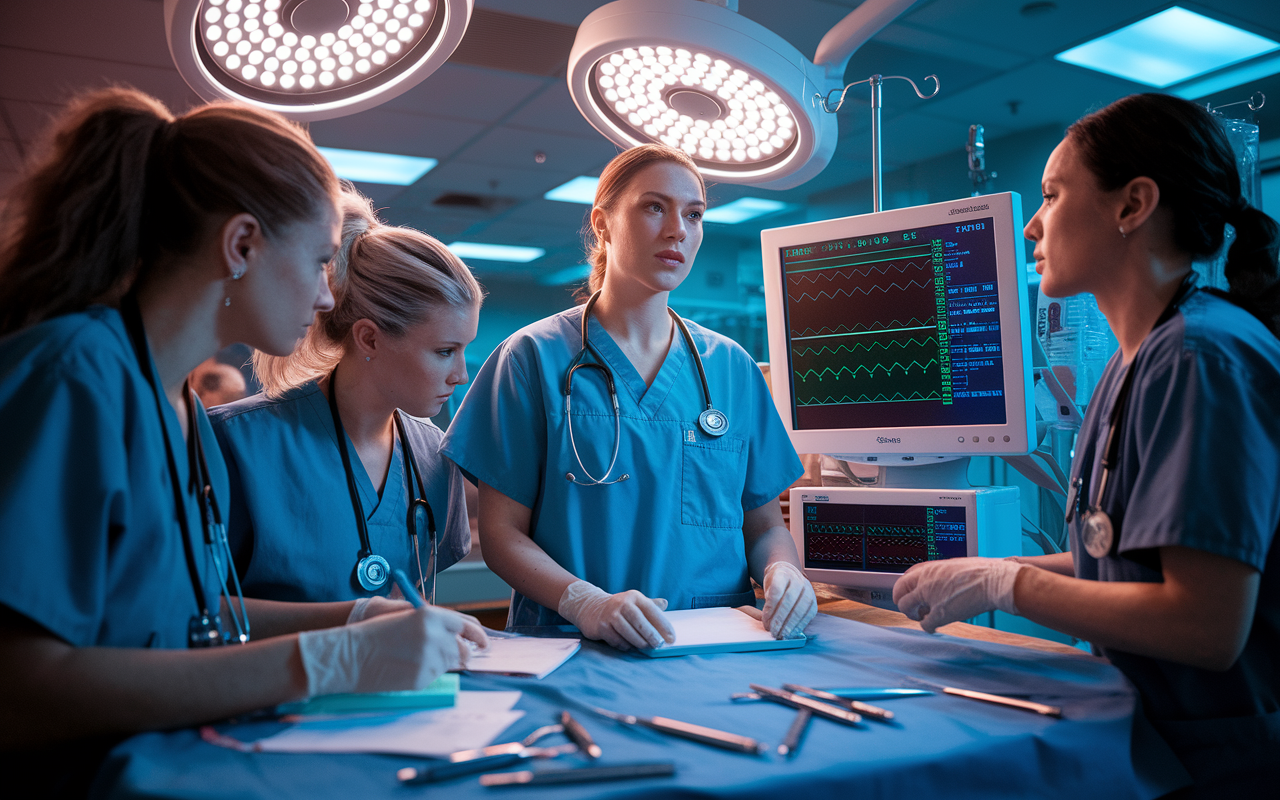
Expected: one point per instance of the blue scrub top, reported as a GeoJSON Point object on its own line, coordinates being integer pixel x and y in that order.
{"type": "Point", "coordinates": [91, 549]}
{"type": "Point", "coordinates": [674, 529]}
{"type": "Point", "coordinates": [293, 527]}
{"type": "Point", "coordinates": [1199, 467]}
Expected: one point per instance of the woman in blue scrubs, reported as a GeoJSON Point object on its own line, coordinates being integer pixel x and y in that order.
{"type": "Point", "coordinates": [138, 247]}
{"type": "Point", "coordinates": [1173, 572]}
{"type": "Point", "coordinates": [388, 353]}
{"type": "Point", "coordinates": [615, 481]}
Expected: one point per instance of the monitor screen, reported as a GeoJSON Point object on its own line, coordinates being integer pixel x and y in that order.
{"type": "Point", "coordinates": [896, 328]}
{"type": "Point", "coordinates": [881, 538]}
{"type": "Point", "coordinates": [902, 332]}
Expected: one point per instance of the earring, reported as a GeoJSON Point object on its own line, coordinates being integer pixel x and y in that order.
{"type": "Point", "coordinates": [1123, 235]}
{"type": "Point", "coordinates": [227, 302]}
{"type": "Point", "coordinates": [235, 276]}
{"type": "Point", "coordinates": [368, 358]}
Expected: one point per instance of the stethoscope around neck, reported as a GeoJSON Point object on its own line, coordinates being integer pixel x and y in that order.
{"type": "Point", "coordinates": [1097, 531]}
{"type": "Point", "coordinates": [712, 421]}
{"type": "Point", "coordinates": [372, 570]}
{"type": "Point", "coordinates": [204, 629]}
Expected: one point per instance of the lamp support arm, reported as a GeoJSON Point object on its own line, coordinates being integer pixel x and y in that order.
{"type": "Point", "coordinates": [853, 31]}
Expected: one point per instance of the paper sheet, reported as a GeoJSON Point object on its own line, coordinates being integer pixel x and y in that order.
{"type": "Point", "coordinates": [523, 655]}
{"type": "Point", "coordinates": [698, 626]}
{"type": "Point", "coordinates": [474, 722]}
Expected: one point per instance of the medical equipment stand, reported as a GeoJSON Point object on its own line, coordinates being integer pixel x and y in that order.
{"type": "Point", "coordinates": [876, 81]}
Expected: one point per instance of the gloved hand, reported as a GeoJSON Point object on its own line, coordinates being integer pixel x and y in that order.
{"type": "Point", "coordinates": [938, 592]}
{"type": "Point", "coordinates": [624, 620]}
{"type": "Point", "coordinates": [789, 601]}
{"type": "Point", "coordinates": [392, 652]}
{"type": "Point", "coordinates": [370, 607]}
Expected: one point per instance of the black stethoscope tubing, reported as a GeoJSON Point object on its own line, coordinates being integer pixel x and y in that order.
{"type": "Point", "coordinates": [205, 629]}
{"type": "Point", "coordinates": [711, 421]}
{"type": "Point", "coordinates": [372, 570]}
{"type": "Point", "coordinates": [1097, 532]}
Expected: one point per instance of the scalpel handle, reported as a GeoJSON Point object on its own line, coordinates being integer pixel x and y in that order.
{"type": "Point", "coordinates": [697, 733]}
{"type": "Point", "coordinates": [1025, 705]}
{"type": "Point", "coordinates": [794, 700]}
{"type": "Point", "coordinates": [443, 772]}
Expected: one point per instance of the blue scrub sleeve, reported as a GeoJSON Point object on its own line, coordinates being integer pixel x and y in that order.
{"type": "Point", "coordinates": [1209, 473]}
{"type": "Point", "coordinates": [63, 496]}
{"type": "Point", "coordinates": [772, 463]}
{"type": "Point", "coordinates": [499, 433]}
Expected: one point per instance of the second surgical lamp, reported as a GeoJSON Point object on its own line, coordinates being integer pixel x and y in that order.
{"type": "Point", "coordinates": [694, 74]}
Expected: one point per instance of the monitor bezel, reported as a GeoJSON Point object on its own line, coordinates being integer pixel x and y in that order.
{"type": "Point", "coordinates": [917, 442]}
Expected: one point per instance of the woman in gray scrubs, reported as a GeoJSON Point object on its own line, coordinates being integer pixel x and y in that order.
{"type": "Point", "coordinates": [1174, 505]}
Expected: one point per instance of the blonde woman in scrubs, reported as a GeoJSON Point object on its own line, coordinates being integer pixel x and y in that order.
{"type": "Point", "coordinates": [369, 372]}
{"type": "Point", "coordinates": [604, 507]}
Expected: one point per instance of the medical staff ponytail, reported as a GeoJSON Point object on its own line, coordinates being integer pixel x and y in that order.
{"type": "Point", "coordinates": [615, 179]}
{"type": "Point", "coordinates": [124, 185]}
{"type": "Point", "coordinates": [1181, 147]}
{"type": "Point", "coordinates": [392, 276]}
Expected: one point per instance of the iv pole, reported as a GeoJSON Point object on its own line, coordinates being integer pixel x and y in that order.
{"type": "Point", "coordinates": [876, 81]}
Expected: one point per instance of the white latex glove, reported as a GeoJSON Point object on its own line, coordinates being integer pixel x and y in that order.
{"type": "Point", "coordinates": [624, 620]}
{"type": "Point", "coordinates": [392, 652]}
{"type": "Point", "coordinates": [370, 607]}
{"type": "Point", "coordinates": [789, 601]}
{"type": "Point", "coordinates": [938, 592]}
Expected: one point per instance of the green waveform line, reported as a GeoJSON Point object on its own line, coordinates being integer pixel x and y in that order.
{"type": "Point", "coordinates": [892, 324]}
{"type": "Point", "coordinates": [857, 289]}
{"type": "Point", "coordinates": [837, 270]}
{"type": "Point", "coordinates": [869, 370]}
{"type": "Point", "coordinates": [846, 400]}
{"type": "Point", "coordinates": [859, 345]}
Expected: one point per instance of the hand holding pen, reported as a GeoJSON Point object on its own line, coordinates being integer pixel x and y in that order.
{"type": "Point", "coordinates": [471, 635]}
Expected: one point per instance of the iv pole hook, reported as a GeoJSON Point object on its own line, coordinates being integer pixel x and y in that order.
{"type": "Point", "coordinates": [875, 81]}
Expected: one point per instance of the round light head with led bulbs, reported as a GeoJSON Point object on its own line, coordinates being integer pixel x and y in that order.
{"type": "Point", "coordinates": [311, 59]}
{"type": "Point", "coordinates": [729, 92]}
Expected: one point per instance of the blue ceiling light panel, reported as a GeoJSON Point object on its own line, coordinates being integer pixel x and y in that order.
{"type": "Point", "coordinates": [743, 209]}
{"type": "Point", "coordinates": [581, 189]}
{"type": "Point", "coordinates": [496, 252]}
{"type": "Point", "coordinates": [1168, 48]}
{"type": "Point", "coordinates": [367, 167]}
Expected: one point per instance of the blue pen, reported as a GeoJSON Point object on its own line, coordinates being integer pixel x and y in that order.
{"type": "Point", "coordinates": [406, 588]}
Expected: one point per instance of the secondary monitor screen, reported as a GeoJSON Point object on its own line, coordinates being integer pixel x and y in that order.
{"type": "Point", "coordinates": [881, 538]}
{"type": "Point", "coordinates": [895, 329]}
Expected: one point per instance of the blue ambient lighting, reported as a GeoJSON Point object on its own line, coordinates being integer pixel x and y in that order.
{"type": "Point", "coordinates": [1254, 70]}
{"type": "Point", "coordinates": [743, 209]}
{"type": "Point", "coordinates": [566, 276]}
{"type": "Point", "coordinates": [496, 252]}
{"type": "Point", "coordinates": [358, 165]}
{"type": "Point", "coordinates": [1167, 48]}
{"type": "Point", "coordinates": [581, 189]}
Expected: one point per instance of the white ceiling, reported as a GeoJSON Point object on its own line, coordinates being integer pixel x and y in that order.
{"type": "Point", "coordinates": [486, 124]}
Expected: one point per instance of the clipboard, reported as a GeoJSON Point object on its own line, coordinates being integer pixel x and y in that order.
{"type": "Point", "coordinates": [704, 631]}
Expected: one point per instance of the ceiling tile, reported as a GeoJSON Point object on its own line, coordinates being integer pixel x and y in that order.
{"type": "Point", "coordinates": [51, 78]}
{"type": "Point", "coordinates": [467, 93]}
{"type": "Point", "coordinates": [553, 110]}
{"type": "Point", "coordinates": [385, 131]}
{"type": "Point", "coordinates": [1045, 92]}
{"type": "Point", "coordinates": [126, 31]}
{"type": "Point", "coordinates": [515, 147]}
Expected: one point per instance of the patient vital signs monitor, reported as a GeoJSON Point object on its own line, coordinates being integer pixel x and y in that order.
{"type": "Point", "coordinates": [901, 335]}
{"type": "Point", "coordinates": [901, 339]}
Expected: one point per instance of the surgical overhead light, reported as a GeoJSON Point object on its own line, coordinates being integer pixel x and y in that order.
{"type": "Point", "coordinates": [738, 98]}
{"type": "Point", "coordinates": [311, 59]}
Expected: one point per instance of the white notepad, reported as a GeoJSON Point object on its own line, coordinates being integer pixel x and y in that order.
{"type": "Point", "coordinates": [525, 656]}
{"type": "Point", "coordinates": [719, 630]}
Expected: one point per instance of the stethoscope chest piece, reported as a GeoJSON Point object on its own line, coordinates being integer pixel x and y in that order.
{"type": "Point", "coordinates": [372, 572]}
{"type": "Point", "coordinates": [713, 422]}
{"type": "Point", "coordinates": [1097, 534]}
